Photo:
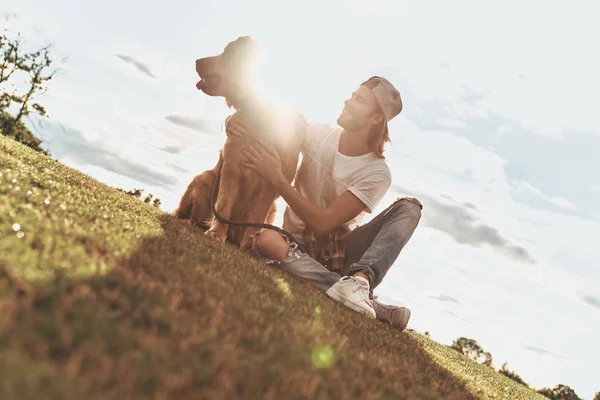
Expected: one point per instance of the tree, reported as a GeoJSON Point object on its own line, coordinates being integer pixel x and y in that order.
{"type": "Point", "coordinates": [559, 392]}
{"type": "Point", "coordinates": [597, 396]}
{"type": "Point", "coordinates": [149, 199]}
{"type": "Point", "coordinates": [24, 76]}
{"type": "Point", "coordinates": [19, 132]}
{"type": "Point", "coordinates": [511, 374]}
{"type": "Point", "coordinates": [471, 349]}
{"type": "Point", "coordinates": [133, 192]}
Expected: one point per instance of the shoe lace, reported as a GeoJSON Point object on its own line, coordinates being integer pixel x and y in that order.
{"type": "Point", "coordinates": [364, 294]}
{"type": "Point", "coordinates": [385, 306]}
{"type": "Point", "coordinates": [385, 310]}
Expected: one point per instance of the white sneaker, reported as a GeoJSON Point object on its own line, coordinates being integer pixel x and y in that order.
{"type": "Point", "coordinates": [353, 292]}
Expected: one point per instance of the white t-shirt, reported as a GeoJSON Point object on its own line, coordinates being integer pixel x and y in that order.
{"type": "Point", "coordinates": [325, 173]}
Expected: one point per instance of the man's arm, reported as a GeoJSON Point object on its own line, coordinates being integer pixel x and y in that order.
{"type": "Point", "coordinates": [266, 161]}
{"type": "Point", "coordinates": [321, 220]}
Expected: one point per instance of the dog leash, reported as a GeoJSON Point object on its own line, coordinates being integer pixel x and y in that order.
{"type": "Point", "coordinates": [213, 206]}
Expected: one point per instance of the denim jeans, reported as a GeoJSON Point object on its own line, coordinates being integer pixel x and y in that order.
{"type": "Point", "coordinates": [371, 248]}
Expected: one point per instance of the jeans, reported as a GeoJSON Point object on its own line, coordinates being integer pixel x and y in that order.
{"type": "Point", "coordinates": [371, 248]}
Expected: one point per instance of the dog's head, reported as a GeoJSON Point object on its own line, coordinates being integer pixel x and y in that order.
{"type": "Point", "coordinates": [230, 71]}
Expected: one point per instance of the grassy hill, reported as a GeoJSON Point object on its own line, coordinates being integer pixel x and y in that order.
{"type": "Point", "coordinates": [105, 297]}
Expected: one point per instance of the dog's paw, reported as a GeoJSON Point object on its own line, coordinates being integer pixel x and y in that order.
{"type": "Point", "coordinates": [246, 246]}
{"type": "Point", "coordinates": [216, 235]}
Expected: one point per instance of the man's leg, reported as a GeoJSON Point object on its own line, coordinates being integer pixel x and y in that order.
{"type": "Point", "coordinates": [370, 252]}
{"type": "Point", "coordinates": [271, 245]}
{"type": "Point", "coordinates": [374, 247]}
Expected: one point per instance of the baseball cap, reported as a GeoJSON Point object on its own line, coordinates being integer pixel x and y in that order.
{"type": "Point", "coordinates": [386, 94]}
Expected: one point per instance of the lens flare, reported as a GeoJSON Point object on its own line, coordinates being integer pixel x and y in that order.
{"type": "Point", "coordinates": [283, 286]}
{"type": "Point", "coordinates": [322, 356]}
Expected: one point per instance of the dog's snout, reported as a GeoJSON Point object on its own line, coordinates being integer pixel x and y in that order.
{"type": "Point", "coordinates": [200, 66]}
{"type": "Point", "coordinates": [206, 65]}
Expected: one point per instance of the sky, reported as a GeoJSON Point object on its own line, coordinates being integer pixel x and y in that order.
{"type": "Point", "coordinates": [496, 138]}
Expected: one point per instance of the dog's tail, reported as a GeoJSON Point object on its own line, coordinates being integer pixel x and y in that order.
{"type": "Point", "coordinates": [184, 210]}
{"type": "Point", "coordinates": [195, 201]}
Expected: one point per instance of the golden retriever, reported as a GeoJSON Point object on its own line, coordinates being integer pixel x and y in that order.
{"type": "Point", "coordinates": [243, 195]}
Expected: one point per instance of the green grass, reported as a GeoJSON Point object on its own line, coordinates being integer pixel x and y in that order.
{"type": "Point", "coordinates": [105, 297]}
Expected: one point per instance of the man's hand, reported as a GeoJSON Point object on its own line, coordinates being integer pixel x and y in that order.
{"type": "Point", "coordinates": [264, 159]}
{"type": "Point", "coordinates": [234, 126]}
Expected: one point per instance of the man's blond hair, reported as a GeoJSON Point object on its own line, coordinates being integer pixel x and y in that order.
{"type": "Point", "coordinates": [379, 134]}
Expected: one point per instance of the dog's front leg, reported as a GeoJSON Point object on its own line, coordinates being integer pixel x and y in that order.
{"type": "Point", "coordinates": [264, 202]}
{"type": "Point", "coordinates": [272, 214]}
{"type": "Point", "coordinates": [228, 193]}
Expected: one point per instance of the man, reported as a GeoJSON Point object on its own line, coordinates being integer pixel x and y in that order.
{"type": "Point", "coordinates": [343, 174]}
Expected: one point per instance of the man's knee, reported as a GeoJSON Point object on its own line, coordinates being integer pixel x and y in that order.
{"type": "Point", "coordinates": [270, 244]}
{"type": "Point", "coordinates": [406, 213]}
{"type": "Point", "coordinates": [408, 205]}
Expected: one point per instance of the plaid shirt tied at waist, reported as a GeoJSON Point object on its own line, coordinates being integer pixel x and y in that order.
{"type": "Point", "coordinates": [329, 249]}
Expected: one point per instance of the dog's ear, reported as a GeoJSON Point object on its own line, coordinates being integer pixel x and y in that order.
{"type": "Point", "coordinates": [243, 50]}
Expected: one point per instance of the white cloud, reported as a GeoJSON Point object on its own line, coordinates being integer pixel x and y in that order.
{"type": "Point", "coordinates": [558, 201]}
{"type": "Point", "coordinates": [421, 161]}
{"type": "Point", "coordinates": [450, 123]}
